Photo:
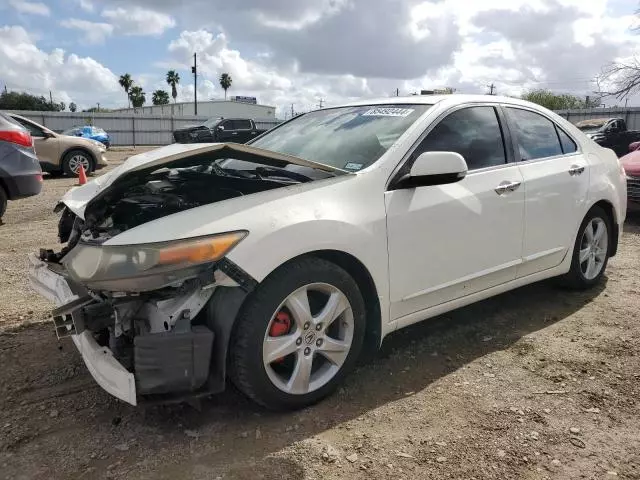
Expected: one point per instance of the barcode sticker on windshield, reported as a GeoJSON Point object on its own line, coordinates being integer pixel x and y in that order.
{"type": "Point", "coordinates": [388, 112]}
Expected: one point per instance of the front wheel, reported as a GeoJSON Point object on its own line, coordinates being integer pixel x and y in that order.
{"type": "Point", "coordinates": [74, 160]}
{"type": "Point", "coordinates": [591, 250]}
{"type": "Point", "coordinates": [298, 335]}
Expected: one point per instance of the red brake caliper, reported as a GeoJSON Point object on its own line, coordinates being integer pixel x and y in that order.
{"type": "Point", "coordinates": [281, 326]}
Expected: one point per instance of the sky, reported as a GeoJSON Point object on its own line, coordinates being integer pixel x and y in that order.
{"type": "Point", "coordinates": [302, 52]}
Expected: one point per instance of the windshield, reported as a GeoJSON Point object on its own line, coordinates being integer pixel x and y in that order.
{"type": "Point", "coordinates": [212, 122]}
{"type": "Point", "coordinates": [71, 131]}
{"type": "Point", "coordinates": [349, 138]}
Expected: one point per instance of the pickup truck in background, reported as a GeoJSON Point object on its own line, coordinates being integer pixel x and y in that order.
{"type": "Point", "coordinates": [237, 130]}
{"type": "Point", "coordinates": [610, 133]}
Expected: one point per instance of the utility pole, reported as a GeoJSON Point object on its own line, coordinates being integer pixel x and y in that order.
{"type": "Point", "coordinates": [50, 97]}
{"type": "Point", "coordinates": [320, 103]}
{"type": "Point", "coordinates": [194, 70]}
{"type": "Point", "coordinates": [491, 88]}
{"type": "Point", "coordinates": [98, 107]}
{"type": "Point", "coordinates": [292, 110]}
{"type": "Point", "coordinates": [397, 92]}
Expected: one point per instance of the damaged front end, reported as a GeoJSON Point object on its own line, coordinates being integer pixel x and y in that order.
{"type": "Point", "coordinates": [152, 320]}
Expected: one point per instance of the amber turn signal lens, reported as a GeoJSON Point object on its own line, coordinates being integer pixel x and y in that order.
{"type": "Point", "coordinates": [200, 251]}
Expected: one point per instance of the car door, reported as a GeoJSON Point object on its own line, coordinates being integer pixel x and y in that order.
{"type": "Point", "coordinates": [556, 182]}
{"type": "Point", "coordinates": [228, 132]}
{"type": "Point", "coordinates": [449, 241]}
{"type": "Point", "coordinates": [47, 147]}
{"type": "Point", "coordinates": [243, 128]}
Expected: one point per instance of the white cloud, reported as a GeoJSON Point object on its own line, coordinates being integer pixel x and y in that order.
{"type": "Point", "coordinates": [138, 21]}
{"type": "Point", "coordinates": [94, 32]}
{"type": "Point", "coordinates": [86, 5]}
{"type": "Point", "coordinates": [32, 8]}
{"type": "Point", "coordinates": [70, 77]}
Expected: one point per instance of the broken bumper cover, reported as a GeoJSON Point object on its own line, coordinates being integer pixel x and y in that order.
{"type": "Point", "coordinates": [100, 362]}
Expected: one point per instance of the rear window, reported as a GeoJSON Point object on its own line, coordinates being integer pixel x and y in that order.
{"type": "Point", "coordinates": [536, 135]}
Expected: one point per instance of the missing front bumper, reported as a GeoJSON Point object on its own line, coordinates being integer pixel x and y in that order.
{"type": "Point", "coordinates": [171, 362]}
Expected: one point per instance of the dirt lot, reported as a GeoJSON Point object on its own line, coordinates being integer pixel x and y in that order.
{"type": "Point", "coordinates": [536, 383]}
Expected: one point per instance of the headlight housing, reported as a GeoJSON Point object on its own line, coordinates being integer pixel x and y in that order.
{"type": "Point", "coordinates": [146, 267]}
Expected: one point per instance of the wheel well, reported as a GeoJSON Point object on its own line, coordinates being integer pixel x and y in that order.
{"type": "Point", "coordinates": [361, 275]}
{"type": "Point", "coordinates": [81, 149]}
{"type": "Point", "coordinates": [608, 208]}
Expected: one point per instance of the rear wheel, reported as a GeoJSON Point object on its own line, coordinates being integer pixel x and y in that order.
{"type": "Point", "coordinates": [591, 250]}
{"type": "Point", "coordinates": [3, 201]}
{"type": "Point", "coordinates": [298, 335]}
{"type": "Point", "coordinates": [74, 159]}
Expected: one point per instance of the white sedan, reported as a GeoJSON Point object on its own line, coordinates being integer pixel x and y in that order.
{"type": "Point", "coordinates": [275, 264]}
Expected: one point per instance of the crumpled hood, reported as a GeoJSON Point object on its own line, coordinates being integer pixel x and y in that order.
{"type": "Point", "coordinates": [78, 197]}
{"type": "Point", "coordinates": [631, 163]}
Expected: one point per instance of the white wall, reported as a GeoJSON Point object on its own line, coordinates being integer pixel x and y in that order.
{"type": "Point", "coordinates": [215, 108]}
{"type": "Point", "coordinates": [126, 128]}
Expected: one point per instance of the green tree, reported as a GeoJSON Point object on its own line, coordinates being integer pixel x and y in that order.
{"type": "Point", "coordinates": [73, 107]}
{"type": "Point", "coordinates": [225, 83]}
{"type": "Point", "coordinates": [126, 83]}
{"type": "Point", "coordinates": [26, 101]}
{"type": "Point", "coordinates": [137, 96]}
{"type": "Point", "coordinates": [173, 79]}
{"type": "Point", "coordinates": [63, 106]}
{"type": "Point", "coordinates": [160, 97]}
{"type": "Point", "coordinates": [558, 101]}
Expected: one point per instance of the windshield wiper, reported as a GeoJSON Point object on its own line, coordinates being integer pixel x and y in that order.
{"type": "Point", "coordinates": [281, 172]}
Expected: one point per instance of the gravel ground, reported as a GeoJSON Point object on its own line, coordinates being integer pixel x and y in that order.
{"type": "Point", "coordinates": [536, 383]}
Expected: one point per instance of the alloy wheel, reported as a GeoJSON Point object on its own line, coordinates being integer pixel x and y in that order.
{"type": "Point", "coordinates": [76, 161]}
{"type": "Point", "coordinates": [593, 248]}
{"type": "Point", "coordinates": [308, 338]}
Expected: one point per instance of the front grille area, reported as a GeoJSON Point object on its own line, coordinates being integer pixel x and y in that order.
{"type": "Point", "coordinates": [633, 188]}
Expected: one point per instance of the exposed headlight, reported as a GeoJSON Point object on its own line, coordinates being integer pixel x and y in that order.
{"type": "Point", "coordinates": [145, 267]}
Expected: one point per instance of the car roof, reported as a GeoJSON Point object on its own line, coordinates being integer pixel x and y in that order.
{"type": "Point", "coordinates": [449, 99]}
{"type": "Point", "coordinates": [6, 120]}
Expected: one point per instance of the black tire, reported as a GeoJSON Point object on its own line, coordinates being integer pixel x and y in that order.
{"type": "Point", "coordinates": [68, 171]}
{"type": "Point", "coordinates": [246, 367]}
{"type": "Point", "coordinates": [3, 202]}
{"type": "Point", "coordinates": [575, 278]}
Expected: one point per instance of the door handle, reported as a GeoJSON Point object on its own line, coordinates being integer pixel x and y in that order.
{"type": "Point", "coordinates": [576, 170]}
{"type": "Point", "coordinates": [506, 187]}
{"type": "Point", "coordinates": [234, 133]}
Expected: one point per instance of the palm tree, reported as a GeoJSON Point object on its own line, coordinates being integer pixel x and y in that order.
{"type": "Point", "coordinates": [137, 96]}
{"type": "Point", "coordinates": [225, 83]}
{"type": "Point", "coordinates": [173, 79]}
{"type": "Point", "coordinates": [160, 97]}
{"type": "Point", "coordinates": [126, 83]}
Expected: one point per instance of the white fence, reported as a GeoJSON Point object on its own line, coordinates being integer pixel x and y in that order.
{"type": "Point", "coordinates": [631, 115]}
{"type": "Point", "coordinates": [127, 129]}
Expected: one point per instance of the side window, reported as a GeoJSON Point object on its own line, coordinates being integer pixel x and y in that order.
{"type": "Point", "coordinates": [242, 124]}
{"type": "Point", "coordinates": [535, 134]}
{"type": "Point", "coordinates": [33, 130]}
{"type": "Point", "coordinates": [568, 145]}
{"type": "Point", "coordinates": [473, 132]}
{"type": "Point", "coordinates": [227, 124]}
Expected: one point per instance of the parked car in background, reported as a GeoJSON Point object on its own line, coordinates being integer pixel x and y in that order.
{"type": "Point", "coordinates": [62, 154]}
{"type": "Point", "coordinates": [238, 130]}
{"type": "Point", "coordinates": [610, 133]}
{"type": "Point", "coordinates": [91, 132]}
{"type": "Point", "coordinates": [276, 263]}
{"type": "Point", "coordinates": [20, 172]}
{"type": "Point", "coordinates": [631, 164]}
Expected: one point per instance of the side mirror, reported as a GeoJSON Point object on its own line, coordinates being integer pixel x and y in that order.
{"type": "Point", "coordinates": [47, 134]}
{"type": "Point", "coordinates": [434, 168]}
{"type": "Point", "coordinates": [221, 128]}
